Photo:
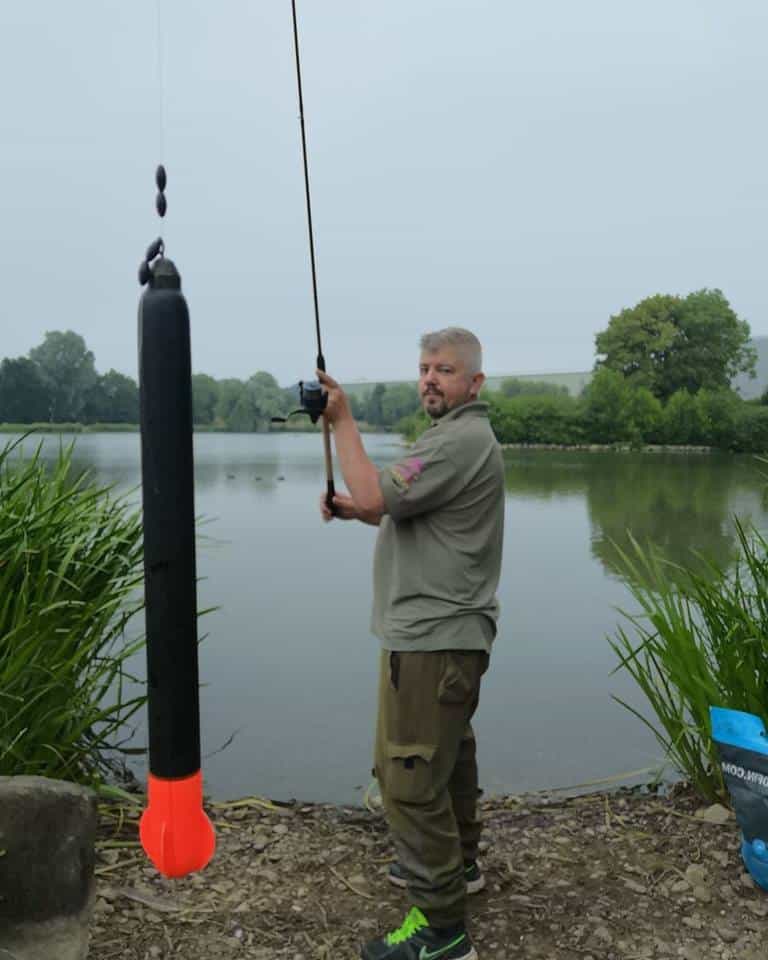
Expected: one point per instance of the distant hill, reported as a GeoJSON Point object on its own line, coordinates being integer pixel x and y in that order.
{"type": "Point", "coordinates": [575, 382]}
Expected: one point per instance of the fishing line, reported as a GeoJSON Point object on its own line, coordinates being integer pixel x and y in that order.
{"type": "Point", "coordinates": [160, 68]}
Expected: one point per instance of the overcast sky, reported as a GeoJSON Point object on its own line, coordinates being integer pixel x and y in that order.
{"type": "Point", "coordinates": [525, 169]}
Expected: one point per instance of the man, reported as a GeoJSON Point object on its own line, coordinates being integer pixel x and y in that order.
{"type": "Point", "coordinates": [440, 512]}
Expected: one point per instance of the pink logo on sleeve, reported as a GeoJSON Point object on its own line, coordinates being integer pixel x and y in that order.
{"type": "Point", "coordinates": [403, 474]}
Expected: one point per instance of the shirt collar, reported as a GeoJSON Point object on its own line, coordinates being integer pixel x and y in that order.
{"type": "Point", "coordinates": [475, 408]}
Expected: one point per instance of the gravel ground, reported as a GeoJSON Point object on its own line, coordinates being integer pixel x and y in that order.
{"type": "Point", "coordinates": [626, 875]}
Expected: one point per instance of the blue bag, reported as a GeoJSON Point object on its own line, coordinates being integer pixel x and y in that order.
{"type": "Point", "coordinates": [743, 747]}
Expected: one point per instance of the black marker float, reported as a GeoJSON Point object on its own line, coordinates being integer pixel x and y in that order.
{"type": "Point", "coordinates": [175, 832]}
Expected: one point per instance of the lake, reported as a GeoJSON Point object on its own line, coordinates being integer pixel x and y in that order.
{"type": "Point", "coordinates": [288, 663]}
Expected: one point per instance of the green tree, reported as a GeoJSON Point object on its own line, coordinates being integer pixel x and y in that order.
{"type": "Point", "coordinates": [718, 415]}
{"type": "Point", "coordinates": [682, 419]}
{"type": "Point", "coordinates": [68, 371]}
{"type": "Point", "coordinates": [259, 399]}
{"type": "Point", "coordinates": [637, 341]}
{"type": "Point", "coordinates": [670, 343]}
{"type": "Point", "coordinates": [642, 416]}
{"type": "Point", "coordinates": [229, 393]}
{"type": "Point", "coordinates": [399, 401]}
{"type": "Point", "coordinates": [205, 393]}
{"type": "Point", "coordinates": [113, 399]}
{"type": "Point", "coordinates": [752, 429]}
{"type": "Point", "coordinates": [603, 404]}
{"type": "Point", "coordinates": [413, 425]}
{"type": "Point", "coordinates": [23, 393]}
{"type": "Point", "coordinates": [374, 406]}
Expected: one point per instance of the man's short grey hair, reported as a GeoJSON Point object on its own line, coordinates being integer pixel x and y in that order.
{"type": "Point", "coordinates": [458, 337]}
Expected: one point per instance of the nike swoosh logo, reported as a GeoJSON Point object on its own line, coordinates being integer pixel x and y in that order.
{"type": "Point", "coordinates": [425, 954]}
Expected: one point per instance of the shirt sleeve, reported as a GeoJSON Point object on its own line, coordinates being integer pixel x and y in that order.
{"type": "Point", "coordinates": [423, 481]}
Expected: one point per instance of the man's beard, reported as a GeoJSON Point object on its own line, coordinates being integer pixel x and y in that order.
{"type": "Point", "coordinates": [436, 411]}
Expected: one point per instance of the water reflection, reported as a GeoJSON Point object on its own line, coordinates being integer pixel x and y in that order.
{"type": "Point", "coordinates": [683, 504]}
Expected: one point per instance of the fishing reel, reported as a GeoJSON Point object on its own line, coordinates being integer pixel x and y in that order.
{"type": "Point", "coordinates": [312, 399]}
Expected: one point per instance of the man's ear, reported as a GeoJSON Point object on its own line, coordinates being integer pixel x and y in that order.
{"type": "Point", "coordinates": [477, 382]}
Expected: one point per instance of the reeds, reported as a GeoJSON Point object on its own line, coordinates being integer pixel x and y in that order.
{"type": "Point", "coordinates": [70, 566]}
{"type": "Point", "coordinates": [700, 641]}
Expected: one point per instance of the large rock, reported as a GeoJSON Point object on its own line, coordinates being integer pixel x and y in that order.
{"type": "Point", "coordinates": [47, 837]}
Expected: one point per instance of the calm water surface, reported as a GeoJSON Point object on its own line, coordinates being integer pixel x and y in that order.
{"type": "Point", "coordinates": [288, 663]}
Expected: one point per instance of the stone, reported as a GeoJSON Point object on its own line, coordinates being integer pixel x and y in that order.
{"type": "Point", "coordinates": [689, 952]}
{"type": "Point", "coordinates": [696, 875]}
{"type": "Point", "coordinates": [717, 813]}
{"type": "Point", "coordinates": [757, 908]}
{"type": "Point", "coordinates": [48, 833]}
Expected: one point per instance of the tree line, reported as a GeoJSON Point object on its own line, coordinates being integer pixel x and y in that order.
{"type": "Point", "coordinates": [662, 375]}
{"type": "Point", "coordinates": [57, 382]}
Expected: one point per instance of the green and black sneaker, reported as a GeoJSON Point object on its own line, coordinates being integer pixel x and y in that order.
{"type": "Point", "coordinates": [472, 874]}
{"type": "Point", "coordinates": [416, 940]}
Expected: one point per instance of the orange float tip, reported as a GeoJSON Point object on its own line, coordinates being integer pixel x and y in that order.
{"type": "Point", "coordinates": [175, 832]}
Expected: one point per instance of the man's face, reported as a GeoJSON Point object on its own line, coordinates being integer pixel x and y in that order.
{"type": "Point", "coordinates": [444, 382]}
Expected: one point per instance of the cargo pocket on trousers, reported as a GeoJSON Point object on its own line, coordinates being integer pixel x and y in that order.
{"type": "Point", "coordinates": [409, 774]}
{"type": "Point", "coordinates": [459, 679]}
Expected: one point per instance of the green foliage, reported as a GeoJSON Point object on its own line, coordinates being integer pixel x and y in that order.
{"type": "Point", "coordinates": [241, 406]}
{"type": "Point", "coordinates": [260, 399]}
{"type": "Point", "coordinates": [638, 340]}
{"type": "Point", "coordinates": [23, 391]}
{"type": "Point", "coordinates": [229, 391]}
{"type": "Point", "coordinates": [113, 399]}
{"type": "Point", "coordinates": [682, 419]}
{"type": "Point", "coordinates": [58, 383]}
{"type": "Point", "coordinates": [413, 425]}
{"type": "Point", "coordinates": [642, 416]}
{"type": "Point", "coordinates": [71, 565]}
{"type": "Point", "coordinates": [614, 411]}
{"type": "Point", "coordinates": [751, 429]}
{"type": "Point", "coordinates": [374, 405]}
{"type": "Point", "coordinates": [68, 371]}
{"type": "Point", "coordinates": [669, 343]}
{"type": "Point", "coordinates": [543, 418]}
{"type": "Point", "coordinates": [399, 401]}
{"type": "Point", "coordinates": [619, 406]}
{"type": "Point", "coordinates": [719, 412]}
{"type": "Point", "coordinates": [700, 641]}
{"type": "Point", "coordinates": [603, 401]}
{"type": "Point", "coordinates": [205, 393]}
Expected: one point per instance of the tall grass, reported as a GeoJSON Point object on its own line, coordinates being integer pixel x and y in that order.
{"type": "Point", "coordinates": [70, 566]}
{"type": "Point", "coordinates": [701, 641]}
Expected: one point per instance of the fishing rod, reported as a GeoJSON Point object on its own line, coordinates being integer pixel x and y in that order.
{"type": "Point", "coordinates": [311, 396]}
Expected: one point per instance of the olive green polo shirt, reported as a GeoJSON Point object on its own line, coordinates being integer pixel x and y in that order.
{"type": "Point", "coordinates": [438, 554]}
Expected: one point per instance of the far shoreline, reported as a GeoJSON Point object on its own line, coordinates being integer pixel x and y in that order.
{"type": "Point", "coordinates": [623, 447]}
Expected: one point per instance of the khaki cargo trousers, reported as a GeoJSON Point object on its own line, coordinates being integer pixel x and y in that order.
{"type": "Point", "coordinates": [427, 771]}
